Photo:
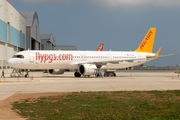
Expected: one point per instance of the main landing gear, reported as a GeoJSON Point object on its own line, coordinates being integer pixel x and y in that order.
{"type": "Point", "coordinates": [98, 74]}
{"type": "Point", "coordinates": [77, 74]}
{"type": "Point", "coordinates": [110, 73]}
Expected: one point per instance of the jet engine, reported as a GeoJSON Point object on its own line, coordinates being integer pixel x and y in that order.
{"type": "Point", "coordinates": [87, 69]}
{"type": "Point", "coordinates": [56, 71]}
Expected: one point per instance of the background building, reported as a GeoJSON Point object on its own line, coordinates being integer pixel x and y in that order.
{"type": "Point", "coordinates": [33, 39]}
{"type": "Point", "coordinates": [66, 47]}
{"type": "Point", "coordinates": [48, 42]}
{"type": "Point", "coordinates": [12, 33]}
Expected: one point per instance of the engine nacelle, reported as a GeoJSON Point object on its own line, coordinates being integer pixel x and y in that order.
{"type": "Point", "coordinates": [87, 69]}
{"type": "Point", "coordinates": [56, 71]}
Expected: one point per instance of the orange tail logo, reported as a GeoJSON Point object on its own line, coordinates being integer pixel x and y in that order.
{"type": "Point", "coordinates": [148, 42]}
{"type": "Point", "coordinates": [100, 48]}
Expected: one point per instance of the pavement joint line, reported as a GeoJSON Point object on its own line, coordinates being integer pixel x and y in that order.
{"type": "Point", "coordinates": [109, 85]}
{"type": "Point", "coordinates": [71, 85]}
{"type": "Point", "coordinates": [20, 90]}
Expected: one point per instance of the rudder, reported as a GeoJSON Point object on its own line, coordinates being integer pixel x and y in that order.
{"type": "Point", "coordinates": [148, 42]}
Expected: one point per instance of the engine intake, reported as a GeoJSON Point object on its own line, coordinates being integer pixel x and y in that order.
{"type": "Point", "coordinates": [87, 69]}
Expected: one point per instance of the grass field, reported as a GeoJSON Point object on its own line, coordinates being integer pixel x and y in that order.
{"type": "Point", "coordinates": [125, 105]}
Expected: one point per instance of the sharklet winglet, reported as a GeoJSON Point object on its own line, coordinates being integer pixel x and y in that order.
{"type": "Point", "coordinates": [157, 54]}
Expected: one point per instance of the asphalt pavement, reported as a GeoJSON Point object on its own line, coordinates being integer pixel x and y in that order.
{"type": "Point", "coordinates": [124, 81]}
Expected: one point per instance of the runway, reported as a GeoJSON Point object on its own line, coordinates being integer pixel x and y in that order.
{"type": "Point", "coordinates": [125, 81]}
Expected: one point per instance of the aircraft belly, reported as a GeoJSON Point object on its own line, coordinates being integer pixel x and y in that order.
{"type": "Point", "coordinates": [52, 66]}
{"type": "Point", "coordinates": [123, 65]}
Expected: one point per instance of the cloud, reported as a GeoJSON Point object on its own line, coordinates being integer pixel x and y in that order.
{"type": "Point", "coordinates": [116, 3]}
{"type": "Point", "coordinates": [48, 1]}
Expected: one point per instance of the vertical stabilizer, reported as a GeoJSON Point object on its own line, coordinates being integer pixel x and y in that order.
{"type": "Point", "coordinates": [148, 42]}
{"type": "Point", "coordinates": [100, 48]}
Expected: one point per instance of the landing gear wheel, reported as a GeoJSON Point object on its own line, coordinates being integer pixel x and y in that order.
{"type": "Point", "coordinates": [105, 74]}
{"type": "Point", "coordinates": [26, 75]}
{"type": "Point", "coordinates": [77, 74]}
{"type": "Point", "coordinates": [97, 75]}
{"type": "Point", "coordinates": [111, 74]}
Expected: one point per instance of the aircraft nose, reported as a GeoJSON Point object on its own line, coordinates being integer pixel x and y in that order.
{"type": "Point", "coordinates": [10, 62]}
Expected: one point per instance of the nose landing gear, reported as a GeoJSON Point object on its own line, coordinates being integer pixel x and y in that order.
{"type": "Point", "coordinates": [27, 74]}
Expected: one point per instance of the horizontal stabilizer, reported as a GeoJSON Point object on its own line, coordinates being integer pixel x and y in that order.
{"type": "Point", "coordinates": [165, 55]}
{"type": "Point", "coordinates": [157, 54]}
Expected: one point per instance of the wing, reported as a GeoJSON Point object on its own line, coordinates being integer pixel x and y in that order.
{"type": "Point", "coordinates": [108, 61]}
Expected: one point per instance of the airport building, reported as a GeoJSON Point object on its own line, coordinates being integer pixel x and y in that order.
{"type": "Point", "coordinates": [33, 38]}
{"type": "Point", "coordinates": [66, 47]}
{"type": "Point", "coordinates": [20, 31]}
{"type": "Point", "coordinates": [12, 33]}
{"type": "Point", "coordinates": [48, 42]}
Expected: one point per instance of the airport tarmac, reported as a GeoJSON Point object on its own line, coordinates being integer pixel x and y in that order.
{"type": "Point", "coordinates": [125, 81]}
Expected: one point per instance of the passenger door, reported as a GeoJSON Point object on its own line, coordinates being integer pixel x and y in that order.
{"type": "Point", "coordinates": [139, 57]}
{"type": "Point", "coordinates": [31, 57]}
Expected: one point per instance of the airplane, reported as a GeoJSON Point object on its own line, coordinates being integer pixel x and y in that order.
{"type": "Point", "coordinates": [86, 63]}
{"type": "Point", "coordinates": [100, 48]}
{"type": "Point", "coordinates": [61, 71]}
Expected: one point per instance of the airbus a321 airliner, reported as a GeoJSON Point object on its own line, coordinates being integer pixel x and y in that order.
{"type": "Point", "coordinates": [86, 63]}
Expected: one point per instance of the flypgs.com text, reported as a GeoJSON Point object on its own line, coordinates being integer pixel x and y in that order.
{"type": "Point", "coordinates": [53, 57]}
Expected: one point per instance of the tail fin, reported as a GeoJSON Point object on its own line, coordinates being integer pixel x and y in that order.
{"type": "Point", "coordinates": [100, 48]}
{"type": "Point", "coordinates": [148, 41]}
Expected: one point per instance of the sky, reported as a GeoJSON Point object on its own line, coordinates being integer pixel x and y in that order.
{"type": "Point", "coordinates": [120, 24]}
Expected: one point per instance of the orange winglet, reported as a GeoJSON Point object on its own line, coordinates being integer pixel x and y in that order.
{"type": "Point", "coordinates": [157, 54]}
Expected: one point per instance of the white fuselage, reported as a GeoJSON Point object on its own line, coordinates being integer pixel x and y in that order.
{"type": "Point", "coordinates": [34, 59]}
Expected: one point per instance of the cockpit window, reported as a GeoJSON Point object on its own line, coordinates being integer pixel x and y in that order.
{"type": "Point", "coordinates": [18, 56]}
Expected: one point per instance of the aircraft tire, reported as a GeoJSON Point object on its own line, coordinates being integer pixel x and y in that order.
{"type": "Point", "coordinates": [105, 74]}
{"type": "Point", "coordinates": [97, 74]}
{"type": "Point", "coordinates": [26, 75]}
{"type": "Point", "coordinates": [77, 74]}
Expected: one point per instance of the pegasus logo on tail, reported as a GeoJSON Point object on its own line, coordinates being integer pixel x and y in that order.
{"type": "Point", "coordinates": [146, 40]}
